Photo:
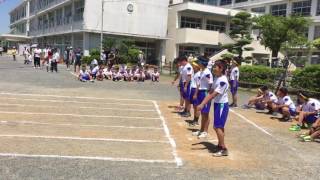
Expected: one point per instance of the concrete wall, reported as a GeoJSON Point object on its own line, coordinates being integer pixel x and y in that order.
{"type": "Point", "coordinates": [148, 19]}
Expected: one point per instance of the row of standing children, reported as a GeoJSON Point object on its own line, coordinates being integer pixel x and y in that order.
{"type": "Point", "coordinates": [198, 86]}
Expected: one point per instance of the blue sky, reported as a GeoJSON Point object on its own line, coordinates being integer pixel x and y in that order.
{"type": "Point", "coordinates": [5, 7]}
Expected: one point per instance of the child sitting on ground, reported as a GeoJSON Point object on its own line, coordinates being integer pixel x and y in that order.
{"type": "Point", "coordinates": [308, 113]}
{"type": "Point", "coordinates": [256, 101]}
{"type": "Point", "coordinates": [313, 133]}
{"type": "Point", "coordinates": [116, 74]}
{"type": "Point", "coordinates": [155, 75]}
{"type": "Point", "coordinates": [128, 75]}
{"type": "Point", "coordinates": [284, 105]}
{"type": "Point", "coordinates": [107, 73]}
{"type": "Point", "coordinates": [84, 75]}
{"type": "Point", "coordinates": [139, 75]}
{"type": "Point", "coordinates": [269, 98]}
{"type": "Point", "coordinates": [94, 71]}
{"type": "Point", "coordinates": [100, 75]}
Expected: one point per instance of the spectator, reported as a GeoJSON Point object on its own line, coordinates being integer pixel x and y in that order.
{"type": "Point", "coordinates": [1, 50]}
{"type": "Point", "coordinates": [14, 53]}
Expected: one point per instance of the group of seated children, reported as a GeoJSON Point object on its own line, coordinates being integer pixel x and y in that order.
{"type": "Point", "coordinates": [120, 73]}
{"type": "Point", "coordinates": [306, 112]}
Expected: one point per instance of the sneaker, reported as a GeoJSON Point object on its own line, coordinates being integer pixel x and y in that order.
{"type": "Point", "coordinates": [306, 139]}
{"type": "Point", "coordinates": [194, 123]}
{"type": "Point", "coordinates": [196, 133]}
{"type": "Point", "coordinates": [221, 152]}
{"type": "Point", "coordinates": [187, 114]}
{"type": "Point", "coordinates": [295, 128]}
{"type": "Point", "coordinates": [245, 106]}
{"type": "Point", "coordinates": [203, 135]}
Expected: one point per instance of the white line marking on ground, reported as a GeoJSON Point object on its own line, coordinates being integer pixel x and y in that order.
{"type": "Point", "coordinates": [78, 102]}
{"type": "Point", "coordinates": [85, 107]}
{"type": "Point", "coordinates": [173, 144]}
{"type": "Point", "coordinates": [252, 123]}
{"type": "Point", "coordinates": [80, 138]}
{"type": "Point", "coordinates": [75, 115]}
{"type": "Point", "coordinates": [75, 97]}
{"type": "Point", "coordinates": [79, 125]}
{"type": "Point", "coordinates": [266, 132]}
{"type": "Point", "coordinates": [86, 158]}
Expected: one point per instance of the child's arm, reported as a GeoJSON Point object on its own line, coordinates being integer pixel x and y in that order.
{"type": "Point", "coordinates": [207, 99]}
{"type": "Point", "coordinates": [175, 78]}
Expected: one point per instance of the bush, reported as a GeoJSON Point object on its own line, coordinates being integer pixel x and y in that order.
{"type": "Point", "coordinates": [307, 78]}
{"type": "Point", "coordinates": [260, 75]}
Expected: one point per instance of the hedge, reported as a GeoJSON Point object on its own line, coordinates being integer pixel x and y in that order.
{"type": "Point", "coordinates": [260, 75]}
{"type": "Point", "coordinates": [307, 78]}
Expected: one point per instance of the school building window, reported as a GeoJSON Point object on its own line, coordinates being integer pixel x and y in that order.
{"type": "Point", "coordinates": [225, 2]}
{"type": "Point", "coordinates": [240, 1]}
{"type": "Point", "coordinates": [302, 8]}
{"type": "Point", "coordinates": [260, 10]}
{"type": "Point", "coordinates": [187, 50]}
{"type": "Point", "coordinates": [190, 22]}
{"type": "Point", "coordinates": [316, 32]}
{"type": "Point", "coordinates": [318, 8]}
{"type": "Point", "coordinates": [279, 10]}
{"type": "Point", "coordinates": [216, 26]}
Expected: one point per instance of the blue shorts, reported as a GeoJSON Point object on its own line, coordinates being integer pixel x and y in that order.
{"type": "Point", "coordinates": [193, 101]}
{"type": "Point", "coordinates": [293, 112]}
{"type": "Point", "coordinates": [221, 111]}
{"type": "Point", "coordinates": [311, 119]}
{"type": "Point", "coordinates": [185, 95]}
{"type": "Point", "coordinates": [234, 84]}
{"type": "Point", "coordinates": [201, 95]}
{"type": "Point", "coordinates": [87, 78]}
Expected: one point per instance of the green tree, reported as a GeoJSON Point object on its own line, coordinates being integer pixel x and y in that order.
{"type": "Point", "coordinates": [240, 32]}
{"type": "Point", "coordinates": [277, 31]}
{"type": "Point", "coordinates": [316, 43]}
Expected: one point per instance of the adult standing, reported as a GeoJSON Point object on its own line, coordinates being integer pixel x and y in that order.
{"type": "Point", "coordinates": [55, 60]}
{"type": "Point", "coordinates": [14, 53]}
{"type": "Point", "coordinates": [66, 57]}
{"type": "Point", "coordinates": [37, 55]}
{"type": "Point", "coordinates": [1, 50]}
{"type": "Point", "coordinates": [77, 63]}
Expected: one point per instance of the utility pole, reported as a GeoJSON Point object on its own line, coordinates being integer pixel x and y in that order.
{"type": "Point", "coordinates": [102, 19]}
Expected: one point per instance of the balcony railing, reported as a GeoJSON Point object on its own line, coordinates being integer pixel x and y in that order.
{"type": "Point", "coordinates": [75, 26]}
{"type": "Point", "coordinates": [52, 3]}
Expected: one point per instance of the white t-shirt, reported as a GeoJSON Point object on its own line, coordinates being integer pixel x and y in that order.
{"type": "Point", "coordinates": [206, 79]}
{"type": "Point", "coordinates": [271, 96]}
{"type": "Point", "coordinates": [287, 101]}
{"type": "Point", "coordinates": [311, 106]}
{"type": "Point", "coordinates": [95, 70]}
{"type": "Point", "coordinates": [84, 73]}
{"type": "Point", "coordinates": [235, 73]}
{"type": "Point", "coordinates": [210, 65]}
{"type": "Point", "coordinates": [195, 81]}
{"type": "Point", "coordinates": [37, 53]}
{"type": "Point", "coordinates": [56, 57]}
{"type": "Point", "coordinates": [186, 71]}
{"type": "Point", "coordinates": [221, 85]}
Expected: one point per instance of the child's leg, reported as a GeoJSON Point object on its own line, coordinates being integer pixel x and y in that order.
{"type": "Point", "coordinates": [285, 112]}
{"type": "Point", "coordinates": [220, 135]}
{"type": "Point", "coordinates": [315, 134]}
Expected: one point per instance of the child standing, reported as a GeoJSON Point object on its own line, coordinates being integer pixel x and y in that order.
{"type": "Point", "coordinates": [234, 82]}
{"type": "Point", "coordinates": [221, 105]}
{"type": "Point", "coordinates": [186, 76]}
{"type": "Point", "coordinates": [195, 84]}
{"type": "Point", "coordinates": [205, 84]}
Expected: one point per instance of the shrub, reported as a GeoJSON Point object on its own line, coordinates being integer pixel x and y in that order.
{"type": "Point", "coordinates": [307, 78]}
{"type": "Point", "coordinates": [260, 75]}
